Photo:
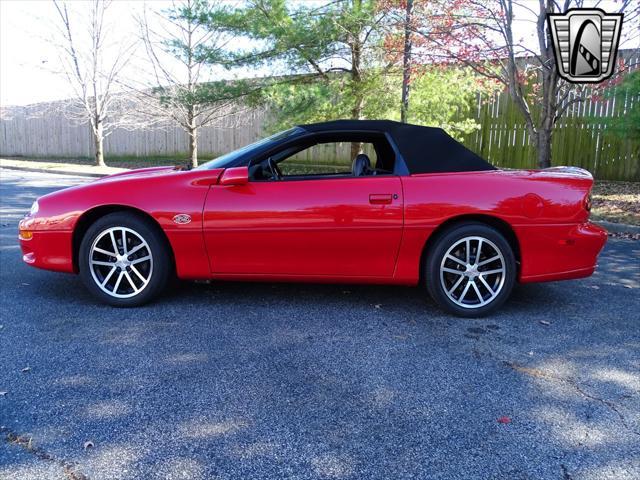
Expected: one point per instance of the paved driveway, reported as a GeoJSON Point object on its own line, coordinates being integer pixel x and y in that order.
{"type": "Point", "coordinates": [240, 381]}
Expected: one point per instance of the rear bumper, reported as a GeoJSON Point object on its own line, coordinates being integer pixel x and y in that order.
{"type": "Point", "coordinates": [560, 252]}
{"type": "Point", "coordinates": [48, 249]}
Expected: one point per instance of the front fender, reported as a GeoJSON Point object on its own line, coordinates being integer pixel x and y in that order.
{"type": "Point", "coordinates": [162, 195]}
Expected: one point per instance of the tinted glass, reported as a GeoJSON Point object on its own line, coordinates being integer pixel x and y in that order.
{"type": "Point", "coordinates": [325, 158]}
{"type": "Point", "coordinates": [227, 159]}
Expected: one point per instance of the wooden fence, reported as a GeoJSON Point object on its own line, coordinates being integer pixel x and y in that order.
{"type": "Point", "coordinates": [40, 131]}
{"type": "Point", "coordinates": [581, 137]}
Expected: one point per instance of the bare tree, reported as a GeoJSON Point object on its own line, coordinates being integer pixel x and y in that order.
{"type": "Point", "coordinates": [181, 48]}
{"type": "Point", "coordinates": [412, 52]}
{"type": "Point", "coordinates": [484, 36]}
{"type": "Point", "coordinates": [406, 61]}
{"type": "Point", "coordinates": [92, 73]}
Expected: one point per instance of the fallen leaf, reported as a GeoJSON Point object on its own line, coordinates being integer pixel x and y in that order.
{"type": "Point", "coordinates": [25, 284]}
{"type": "Point", "coordinates": [377, 305]}
{"type": "Point", "coordinates": [595, 287]}
{"type": "Point", "coordinates": [26, 369]}
{"type": "Point", "coordinates": [88, 444]}
{"type": "Point", "coordinates": [544, 322]}
{"type": "Point", "coordinates": [504, 420]}
{"type": "Point", "coordinates": [2, 394]}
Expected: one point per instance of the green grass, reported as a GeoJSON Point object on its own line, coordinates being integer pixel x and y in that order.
{"type": "Point", "coordinates": [124, 161]}
{"type": "Point", "coordinates": [151, 161]}
{"type": "Point", "coordinates": [131, 161]}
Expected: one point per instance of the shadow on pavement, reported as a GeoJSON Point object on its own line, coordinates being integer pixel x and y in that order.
{"type": "Point", "coordinates": [258, 380]}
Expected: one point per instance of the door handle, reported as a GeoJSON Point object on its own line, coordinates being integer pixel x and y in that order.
{"type": "Point", "coordinates": [380, 198]}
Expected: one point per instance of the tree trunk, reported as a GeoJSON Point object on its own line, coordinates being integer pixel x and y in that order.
{"type": "Point", "coordinates": [550, 79]}
{"type": "Point", "coordinates": [543, 146]}
{"type": "Point", "coordinates": [355, 149]}
{"type": "Point", "coordinates": [193, 146]}
{"type": "Point", "coordinates": [356, 81]}
{"type": "Point", "coordinates": [356, 114]}
{"type": "Point", "coordinates": [406, 63]}
{"type": "Point", "coordinates": [192, 128]}
{"type": "Point", "coordinates": [99, 145]}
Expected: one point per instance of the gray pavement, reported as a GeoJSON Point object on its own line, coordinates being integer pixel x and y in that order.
{"type": "Point", "coordinates": [243, 381]}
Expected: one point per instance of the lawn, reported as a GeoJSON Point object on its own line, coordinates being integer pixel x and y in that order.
{"type": "Point", "coordinates": [121, 161]}
{"type": "Point", "coordinates": [616, 202]}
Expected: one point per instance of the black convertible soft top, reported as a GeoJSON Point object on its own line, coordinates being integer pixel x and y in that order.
{"type": "Point", "coordinates": [424, 149]}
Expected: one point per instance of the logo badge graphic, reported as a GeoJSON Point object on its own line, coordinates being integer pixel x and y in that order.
{"type": "Point", "coordinates": [182, 218]}
{"type": "Point", "coordinates": [585, 43]}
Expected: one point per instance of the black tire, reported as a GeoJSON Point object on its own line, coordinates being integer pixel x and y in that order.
{"type": "Point", "coordinates": [159, 270]}
{"type": "Point", "coordinates": [501, 286]}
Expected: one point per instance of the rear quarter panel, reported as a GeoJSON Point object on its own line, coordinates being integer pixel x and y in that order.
{"type": "Point", "coordinates": [542, 208]}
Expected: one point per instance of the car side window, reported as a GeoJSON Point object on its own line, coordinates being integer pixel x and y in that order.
{"type": "Point", "coordinates": [329, 158]}
{"type": "Point", "coordinates": [326, 157]}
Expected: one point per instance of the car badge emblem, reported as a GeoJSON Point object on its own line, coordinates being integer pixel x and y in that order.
{"type": "Point", "coordinates": [585, 43]}
{"type": "Point", "coordinates": [182, 218]}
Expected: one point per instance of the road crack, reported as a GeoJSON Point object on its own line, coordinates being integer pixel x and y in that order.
{"type": "Point", "coordinates": [70, 469]}
{"type": "Point", "coordinates": [538, 373]}
{"type": "Point", "coordinates": [565, 472]}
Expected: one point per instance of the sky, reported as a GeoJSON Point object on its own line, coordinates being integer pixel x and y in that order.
{"type": "Point", "coordinates": [28, 56]}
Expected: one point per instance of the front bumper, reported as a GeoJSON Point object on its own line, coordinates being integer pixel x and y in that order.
{"type": "Point", "coordinates": [47, 249]}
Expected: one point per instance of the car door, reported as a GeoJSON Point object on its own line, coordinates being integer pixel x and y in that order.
{"type": "Point", "coordinates": [335, 226]}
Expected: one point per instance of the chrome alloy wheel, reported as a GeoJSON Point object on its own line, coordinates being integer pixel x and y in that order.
{"type": "Point", "coordinates": [121, 262]}
{"type": "Point", "coordinates": [472, 272]}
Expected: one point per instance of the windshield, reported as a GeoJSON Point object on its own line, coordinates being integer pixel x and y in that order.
{"type": "Point", "coordinates": [228, 158]}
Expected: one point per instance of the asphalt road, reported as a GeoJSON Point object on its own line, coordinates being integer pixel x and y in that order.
{"type": "Point", "coordinates": [243, 381]}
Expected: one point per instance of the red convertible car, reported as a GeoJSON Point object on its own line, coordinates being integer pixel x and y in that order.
{"type": "Point", "coordinates": [413, 207]}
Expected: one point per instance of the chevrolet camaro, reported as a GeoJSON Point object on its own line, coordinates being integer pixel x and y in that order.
{"type": "Point", "coordinates": [396, 204]}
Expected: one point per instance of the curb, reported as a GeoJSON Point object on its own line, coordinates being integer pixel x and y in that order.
{"type": "Point", "coordinates": [57, 172]}
{"type": "Point", "coordinates": [618, 227]}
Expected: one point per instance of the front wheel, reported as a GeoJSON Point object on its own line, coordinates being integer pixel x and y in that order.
{"type": "Point", "coordinates": [124, 260]}
{"type": "Point", "coordinates": [470, 270]}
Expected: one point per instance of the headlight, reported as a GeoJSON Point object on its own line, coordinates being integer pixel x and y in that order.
{"type": "Point", "coordinates": [34, 208]}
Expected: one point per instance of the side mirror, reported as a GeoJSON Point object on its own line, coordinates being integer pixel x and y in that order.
{"type": "Point", "coordinates": [235, 176]}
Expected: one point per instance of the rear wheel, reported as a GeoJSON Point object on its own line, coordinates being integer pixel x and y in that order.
{"type": "Point", "coordinates": [124, 260]}
{"type": "Point", "coordinates": [470, 270]}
